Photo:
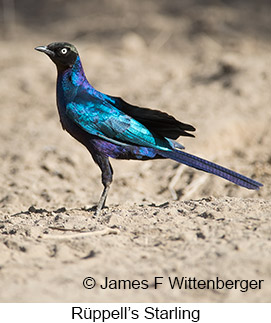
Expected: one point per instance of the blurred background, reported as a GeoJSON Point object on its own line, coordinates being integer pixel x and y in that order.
{"type": "Point", "coordinates": [207, 62]}
{"type": "Point", "coordinates": [108, 21]}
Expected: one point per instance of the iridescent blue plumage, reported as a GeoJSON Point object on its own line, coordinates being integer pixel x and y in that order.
{"type": "Point", "coordinates": [110, 127]}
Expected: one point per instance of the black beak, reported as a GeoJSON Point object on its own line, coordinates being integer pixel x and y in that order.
{"type": "Point", "coordinates": [46, 50]}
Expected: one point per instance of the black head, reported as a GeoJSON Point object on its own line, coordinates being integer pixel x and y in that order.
{"type": "Point", "coordinates": [62, 54]}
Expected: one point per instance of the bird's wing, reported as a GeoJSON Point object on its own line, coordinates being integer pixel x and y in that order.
{"type": "Point", "coordinates": [157, 121]}
{"type": "Point", "coordinates": [102, 119]}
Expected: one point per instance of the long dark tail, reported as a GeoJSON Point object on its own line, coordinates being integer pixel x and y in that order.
{"type": "Point", "coordinates": [209, 167]}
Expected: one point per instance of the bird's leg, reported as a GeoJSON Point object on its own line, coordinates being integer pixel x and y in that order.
{"type": "Point", "coordinates": [107, 175]}
{"type": "Point", "coordinates": [102, 200]}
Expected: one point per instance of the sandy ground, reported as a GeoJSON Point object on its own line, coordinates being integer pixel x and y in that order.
{"type": "Point", "coordinates": [205, 66]}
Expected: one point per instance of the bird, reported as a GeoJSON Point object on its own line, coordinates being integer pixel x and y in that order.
{"type": "Point", "coordinates": [109, 127]}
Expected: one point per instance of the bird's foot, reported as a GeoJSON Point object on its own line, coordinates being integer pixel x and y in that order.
{"type": "Point", "coordinates": [98, 211]}
{"type": "Point", "coordinates": [102, 200]}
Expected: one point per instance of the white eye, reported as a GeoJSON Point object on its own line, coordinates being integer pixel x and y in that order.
{"type": "Point", "coordinates": [64, 51]}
